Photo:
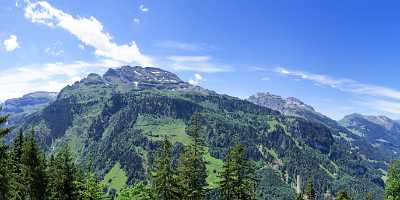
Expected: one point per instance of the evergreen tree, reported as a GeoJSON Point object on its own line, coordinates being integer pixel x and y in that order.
{"type": "Point", "coordinates": [139, 191]}
{"type": "Point", "coordinates": [309, 190]}
{"type": "Point", "coordinates": [164, 177]}
{"type": "Point", "coordinates": [90, 188]}
{"type": "Point", "coordinates": [342, 195]}
{"type": "Point", "coordinates": [238, 180]}
{"type": "Point", "coordinates": [33, 169]}
{"type": "Point", "coordinates": [192, 167]}
{"type": "Point", "coordinates": [392, 185]}
{"type": "Point", "coordinates": [18, 190]}
{"type": "Point", "coordinates": [64, 176]}
{"type": "Point", "coordinates": [4, 168]}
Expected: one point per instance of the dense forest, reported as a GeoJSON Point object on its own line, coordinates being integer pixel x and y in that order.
{"type": "Point", "coordinates": [26, 172]}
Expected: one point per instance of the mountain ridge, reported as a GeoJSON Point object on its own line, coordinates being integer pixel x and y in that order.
{"type": "Point", "coordinates": [120, 124]}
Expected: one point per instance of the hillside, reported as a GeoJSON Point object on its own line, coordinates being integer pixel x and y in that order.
{"type": "Point", "coordinates": [119, 118]}
{"type": "Point", "coordinates": [380, 131]}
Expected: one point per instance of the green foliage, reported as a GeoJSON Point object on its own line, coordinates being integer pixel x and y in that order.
{"type": "Point", "coordinates": [392, 187]}
{"type": "Point", "coordinates": [139, 191]}
{"type": "Point", "coordinates": [342, 195]}
{"type": "Point", "coordinates": [165, 183]}
{"type": "Point", "coordinates": [192, 168]}
{"type": "Point", "coordinates": [91, 188]}
{"type": "Point", "coordinates": [238, 180]}
{"type": "Point", "coordinates": [309, 190]}
{"type": "Point", "coordinates": [64, 176]}
{"type": "Point", "coordinates": [4, 168]}
{"type": "Point", "coordinates": [33, 169]}
{"type": "Point", "coordinates": [115, 179]}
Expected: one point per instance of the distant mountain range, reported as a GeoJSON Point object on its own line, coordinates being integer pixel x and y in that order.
{"type": "Point", "coordinates": [119, 118]}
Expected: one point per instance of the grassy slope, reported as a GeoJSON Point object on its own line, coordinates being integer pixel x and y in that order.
{"type": "Point", "coordinates": [115, 179]}
{"type": "Point", "coordinates": [156, 128]}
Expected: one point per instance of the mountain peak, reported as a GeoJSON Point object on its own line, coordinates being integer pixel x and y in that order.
{"type": "Point", "coordinates": [128, 74]}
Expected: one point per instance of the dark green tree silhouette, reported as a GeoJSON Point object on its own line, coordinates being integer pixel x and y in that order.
{"type": "Point", "coordinates": [165, 184]}
{"type": "Point", "coordinates": [238, 175]}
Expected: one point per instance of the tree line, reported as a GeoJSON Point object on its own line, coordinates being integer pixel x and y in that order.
{"type": "Point", "coordinates": [26, 173]}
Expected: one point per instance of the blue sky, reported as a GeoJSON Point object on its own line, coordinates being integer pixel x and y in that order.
{"type": "Point", "coordinates": [338, 56]}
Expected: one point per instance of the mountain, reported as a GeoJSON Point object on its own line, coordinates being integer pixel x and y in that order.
{"type": "Point", "coordinates": [294, 107]}
{"type": "Point", "coordinates": [27, 104]}
{"type": "Point", "coordinates": [380, 131]}
{"type": "Point", "coordinates": [119, 118]}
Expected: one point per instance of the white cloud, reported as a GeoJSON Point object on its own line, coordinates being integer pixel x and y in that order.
{"type": "Point", "coordinates": [55, 49]}
{"type": "Point", "coordinates": [375, 99]}
{"type": "Point", "coordinates": [81, 46]}
{"type": "Point", "coordinates": [136, 20]}
{"type": "Point", "coordinates": [11, 43]}
{"type": "Point", "coordinates": [181, 45]}
{"type": "Point", "coordinates": [143, 8]}
{"type": "Point", "coordinates": [196, 79]}
{"type": "Point", "coordinates": [346, 85]}
{"type": "Point", "coordinates": [88, 30]}
{"type": "Point", "coordinates": [47, 77]}
{"type": "Point", "coordinates": [203, 64]}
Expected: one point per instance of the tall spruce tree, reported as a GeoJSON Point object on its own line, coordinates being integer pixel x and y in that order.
{"type": "Point", "coordinates": [238, 175]}
{"type": "Point", "coordinates": [165, 184]}
{"type": "Point", "coordinates": [192, 167]}
{"type": "Point", "coordinates": [90, 187]}
{"type": "Point", "coordinates": [4, 168]}
{"type": "Point", "coordinates": [309, 190]}
{"type": "Point", "coordinates": [392, 185]}
{"type": "Point", "coordinates": [63, 176]}
{"type": "Point", "coordinates": [33, 169]}
{"type": "Point", "coordinates": [18, 190]}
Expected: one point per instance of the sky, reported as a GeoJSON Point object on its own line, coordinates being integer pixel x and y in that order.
{"type": "Point", "coordinates": [341, 57]}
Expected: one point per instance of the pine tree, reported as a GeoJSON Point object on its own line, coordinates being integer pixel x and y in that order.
{"type": "Point", "coordinates": [4, 168]}
{"type": "Point", "coordinates": [33, 169]}
{"type": "Point", "coordinates": [392, 185]}
{"type": "Point", "coordinates": [309, 190]}
{"type": "Point", "coordinates": [90, 188]}
{"type": "Point", "coordinates": [237, 176]}
{"type": "Point", "coordinates": [139, 191]}
{"type": "Point", "coordinates": [192, 167]}
{"type": "Point", "coordinates": [164, 176]}
{"type": "Point", "coordinates": [342, 195]}
{"type": "Point", "coordinates": [63, 176]}
{"type": "Point", "coordinates": [18, 190]}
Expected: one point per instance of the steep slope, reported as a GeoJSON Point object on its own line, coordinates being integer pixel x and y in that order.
{"type": "Point", "coordinates": [119, 118]}
{"type": "Point", "coordinates": [294, 107]}
{"type": "Point", "coordinates": [381, 131]}
{"type": "Point", "coordinates": [27, 104]}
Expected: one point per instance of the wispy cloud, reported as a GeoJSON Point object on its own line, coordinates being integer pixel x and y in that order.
{"type": "Point", "coordinates": [196, 79]}
{"type": "Point", "coordinates": [55, 49]}
{"type": "Point", "coordinates": [136, 20]}
{"type": "Point", "coordinates": [47, 77]}
{"type": "Point", "coordinates": [88, 30]}
{"type": "Point", "coordinates": [143, 8]}
{"type": "Point", "coordinates": [184, 46]}
{"type": "Point", "coordinates": [375, 97]}
{"type": "Point", "coordinates": [11, 43]}
{"type": "Point", "coordinates": [346, 85]}
{"type": "Point", "coordinates": [203, 64]}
